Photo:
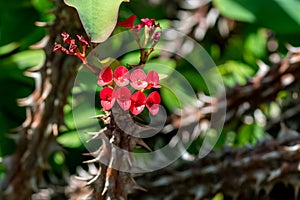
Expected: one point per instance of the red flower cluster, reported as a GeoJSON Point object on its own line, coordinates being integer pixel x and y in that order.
{"type": "Point", "coordinates": [73, 47]}
{"type": "Point", "coordinates": [150, 29]}
{"type": "Point", "coordinates": [129, 23]}
{"type": "Point", "coordinates": [138, 80]}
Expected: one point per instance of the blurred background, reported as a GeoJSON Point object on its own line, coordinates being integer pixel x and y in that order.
{"type": "Point", "coordinates": [254, 45]}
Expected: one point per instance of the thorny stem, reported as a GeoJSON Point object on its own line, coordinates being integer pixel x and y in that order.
{"type": "Point", "coordinates": [144, 56]}
{"type": "Point", "coordinates": [36, 137]}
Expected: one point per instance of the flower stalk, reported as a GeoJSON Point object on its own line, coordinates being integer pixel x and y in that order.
{"type": "Point", "coordinates": [124, 95]}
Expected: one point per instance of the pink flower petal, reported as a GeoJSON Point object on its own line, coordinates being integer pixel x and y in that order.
{"type": "Point", "coordinates": [121, 76]}
{"type": "Point", "coordinates": [153, 109]}
{"type": "Point", "coordinates": [105, 76]}
{"type": "Point", "coordinates": [153, 79]}
{"type": "Point", "coordinates": [138, 79]}
{"type": "Point", "coordinates": [107, 105]}
{"type": "Point", "coordinates": [107, 98]}
{"type": "Point", "coordinates": [153, 102]}
{"type": "Point", "coordinates": [156, 36]}
{"type": "Point", "coordinates": [123, 97]}
{"type": "Point", "coordinates": [138, 101]}
{"type": "Point", "coordinates": [148, 22]}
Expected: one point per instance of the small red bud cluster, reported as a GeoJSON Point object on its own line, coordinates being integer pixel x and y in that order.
{"type": "Point", "coordinates": [73, 47]}
{"type": "Point", "coordinates": [150, 29]}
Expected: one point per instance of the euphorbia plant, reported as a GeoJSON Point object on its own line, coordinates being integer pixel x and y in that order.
{"type": "Point", "coordinates": [127, 89]}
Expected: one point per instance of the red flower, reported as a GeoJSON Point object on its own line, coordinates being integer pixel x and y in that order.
{"type": "Point", "coordinates": [105, 76]}
{"type": "Point", "coordinates": [121, 76]}
{"type": "Point", "coordinates": [128, 23]}
{"type": "Point", "coordinates": [138, 79]}
{"type": "Point", "coordinates": [138, 101]}
{"type": "Point", "coordinates": [123, 97]}
{"type": "Point", "coordinates": [148, 22]}
{"type": "Point", "coordinates": [107, 98]}
{"type": "Point", "coordinates": [153, 102]}
{"type": "Point", "coordinates": [153, 79]}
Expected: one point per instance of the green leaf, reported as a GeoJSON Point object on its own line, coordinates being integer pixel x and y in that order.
{"type": "Point", "coordinates": [256, 43]}
{"type": "Point", "coordinates": [8, 48]}
{"type": "Point", "coordinates": [170, 99]}
{"type": "Point", "coordinates": [24, 59]}
{"type": "Point", "coordinates": [80, 117]}
{"type": "Point", "coordinates": [281, 16]}
{"type": "Point", "coordinates": [161, 66]}
{"type": "Point", "coordinates": [99, 17]}
{"type": "Point", "coordinates": [71, 139]}
{"type": "Point", "coordinates": [235, 72]}
{"type": "Point", "coordinates": [218, 196]}
{"type": "Point", "coordinates": [17, 18]}
{"type": "Point", "coordinates": [131, 58]}
{"type": "Point", "coordinates": [249, 134]}
{"type": "Point", "coordinates": [44, 6]}
{"type": "Point", "coordinates": [59, 158]}
{"type": "Point", "coordinates": [237, 9]}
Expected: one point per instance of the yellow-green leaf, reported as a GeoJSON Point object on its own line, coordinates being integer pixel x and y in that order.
{"type": "Point", "coordinates": [99, 17]}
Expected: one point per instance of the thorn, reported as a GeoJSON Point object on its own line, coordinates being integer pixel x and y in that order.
{"type": "Point", "coordinates": [93, 169]}
{"type": "Point", "coordinates": [82, 178]}
{"type": "Point", "coordinates": [98, 116]}
{"type": "Point", "coordinates": [143, 144]}
{"type": "Point", "coordinates": [55, 129]}
{"type": "Point", "coordinates": [137, 187]}
{"type": "Point", "coordinates": [92, 160]}
{"type": "Point", "coordinates": [292, 48]}
{"type": "Point", "coordinates": [17, 129]}
{"type": "Point", "coordinates": [36, 76]}
{"type": "Point", "coordinates": [43, 24]}
{"type": "Point", "coordinates": [35, 68]}
{"type": "Point", "coordinates": [274, 174]}
{"type": "Point", "coordinates": [27, 101]}
{"type": "Point", "coordinates": [96, 135]}
{"type": "Point", "coordinates": [292, 148]}
{"type": "Point", "coordinates": [15, 137]}
{"type": "Point", "coordinates": [83, 173]}
{"type": "Point", "coordinates": [29, 118]}
{"type": "Point", "coordinates": [41, 44]}
{"type": "Point", "coordinates": [95, 178]}
{"type": "Point", "coordinates": [33, 184]}
{"type": "Point", "coordinates": [46, 91]}
{"type": "Point", "coordinates": [94, 153]}
{"type": "Point", "coordinates": [263, 68]}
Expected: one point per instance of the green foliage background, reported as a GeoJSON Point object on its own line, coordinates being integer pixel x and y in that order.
{"type": "Point", "coordinates": [236, 57]}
